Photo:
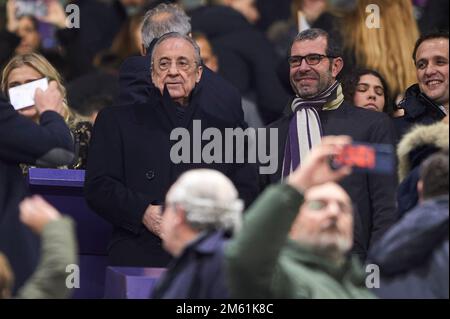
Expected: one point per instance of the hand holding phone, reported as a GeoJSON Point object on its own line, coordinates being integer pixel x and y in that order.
{"type": "Point", "coordinates": [50, 99]}
{"type": "Point", "coordinates": [363, 157]}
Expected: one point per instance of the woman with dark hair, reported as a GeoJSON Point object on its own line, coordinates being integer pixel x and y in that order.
{"type": "Point", "coordinates": [368, 89]}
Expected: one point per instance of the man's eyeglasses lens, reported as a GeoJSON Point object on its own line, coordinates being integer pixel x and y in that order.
{"type": "Point", "coordinates": [311, 59]}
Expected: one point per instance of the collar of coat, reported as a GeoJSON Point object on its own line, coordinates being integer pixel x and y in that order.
{"type": "Point", "coordinates": [420, 137]}
{"type": "Point", "coordinates": [350, 269]}
{"type": "Point", "coordinates": [163, 103]}
{"type": "Point", "coordinates": [416, 104]}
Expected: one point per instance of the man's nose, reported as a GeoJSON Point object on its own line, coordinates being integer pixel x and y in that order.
{"type": "Point", "coordinates": [173, 70]}
{"type": "Point", "coordinates": [304, 67]}
{"type": "Point", "coordinates": [430, 70]}
{"type": "Point", "coordinates": [333, 210]}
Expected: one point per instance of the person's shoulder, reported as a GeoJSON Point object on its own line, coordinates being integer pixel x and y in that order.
{"type": "Point", "coordinates": [212, 79]}
{"type": "Point", "coordinates": [135, 64]}
{"type": "Point", "coordinates": [120, 112]}
{"type": "Point", "coordinates": [364, 115]}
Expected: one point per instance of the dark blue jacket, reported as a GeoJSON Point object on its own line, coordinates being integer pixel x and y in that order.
{"type": "Point", "coordinates": [413, 255]}
{"type": "Point", "coordinates": [419, 109]}
{"type": "Point", "coordinates": [198, 273]}
{"type": "Point", "coordinates": [23, 141]}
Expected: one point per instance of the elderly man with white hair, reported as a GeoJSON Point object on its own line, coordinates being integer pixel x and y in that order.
{"type": "Point", "coordinates": [201, 212]}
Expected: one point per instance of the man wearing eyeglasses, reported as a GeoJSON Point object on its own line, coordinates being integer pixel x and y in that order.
{"type": "Point", "coordinates": [317, 110]}
{"type": "Point", "coordinates": [131, 164]}
{"type": "Point", "coordinates": [309, 219]}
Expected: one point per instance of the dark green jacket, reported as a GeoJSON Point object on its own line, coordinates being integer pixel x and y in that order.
{"type": "Point", "coordinates": [58, 251]}
{"type": "Point", "coordinates": [263, 263]}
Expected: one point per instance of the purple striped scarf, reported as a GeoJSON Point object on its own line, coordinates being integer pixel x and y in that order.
{"type": "Point", "coordinates": [305, 129]}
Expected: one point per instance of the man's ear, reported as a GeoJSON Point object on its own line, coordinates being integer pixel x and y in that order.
{"type": "Point", "coordinates": [420, 190]}
{"type": "Point", "coordinates": [199, 74]}
{"type": "Point", "coordinates": [181, 215]}
{"type": "Point", "coordinates": [143, 50]}
{"type": "Point", "coordinates": [337, 66]}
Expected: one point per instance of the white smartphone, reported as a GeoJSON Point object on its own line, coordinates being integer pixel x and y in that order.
{"type": "Point", "coordinates": [22, 96]}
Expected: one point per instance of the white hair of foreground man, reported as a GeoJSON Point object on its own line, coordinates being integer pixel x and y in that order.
{"type": "Point", "coordinates": [210, 200]}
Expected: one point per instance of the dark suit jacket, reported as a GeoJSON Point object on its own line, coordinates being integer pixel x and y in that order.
{"type": "Point", "coordinates": [22, 141]}
{"type": "Point", "coordinates": [129, 167]}
{"type": "Point", "coordinates": [374, 195]}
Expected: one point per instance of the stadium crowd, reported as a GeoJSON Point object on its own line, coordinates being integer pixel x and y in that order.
{"type": "Point", "coordinates": [312, 78]}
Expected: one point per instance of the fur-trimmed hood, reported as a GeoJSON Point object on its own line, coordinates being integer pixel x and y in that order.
{"type": "Point", "coordinates": [421, 136]}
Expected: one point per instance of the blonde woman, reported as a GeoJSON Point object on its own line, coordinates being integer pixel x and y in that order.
{"type": "Point", "coordinates": [388, 48]}
{"type": "Point", "coordinates": [25, 68]}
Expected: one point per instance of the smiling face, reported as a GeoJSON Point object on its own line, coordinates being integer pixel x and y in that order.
{"type": "Point", "coordinates": [22, 75]}
{"type": "Point", "coordinates": [311, 80]}
{"type": "Point", "coordinates": [174, 65]}
{"type": "Point", "coordinates": [369, 93]}
{"type": "Point", "coordinates": [432, 69]}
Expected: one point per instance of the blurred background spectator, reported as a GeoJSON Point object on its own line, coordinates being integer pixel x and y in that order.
{"type": "Point", "coordinates": [381, 48]}
{"type": "Point", "coordinates": [58, 250]}
{"type": "Point", "coordinates": [413, 256]}
{"type": "Point", "coordinates": [413, 149]}
{"type": "Point", "coordinates": [246, 57]}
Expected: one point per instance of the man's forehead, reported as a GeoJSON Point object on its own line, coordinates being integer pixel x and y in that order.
{"type": "Point", "coordinates": [305, 47]}
{"type": "Point", "coordinates": [329, 191]}
{"type": "Point", "coordinates": [433, 47]}
{"type": "Point", "coordinates": [174, 48]}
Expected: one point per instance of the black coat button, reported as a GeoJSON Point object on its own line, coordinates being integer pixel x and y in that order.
{"type": "Point", "coordinates": [150, 175]}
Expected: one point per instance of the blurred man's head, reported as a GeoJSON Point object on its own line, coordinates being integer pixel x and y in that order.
{"type": "Point", "coordinates": [199, 201]}
{"type": "Point", "coordinates": [434, 177]}
{"type": "Point", "coordinates": [246, 7]}
{"type": "Point", "coordinates": [325, 221]}
{"type": "Point", "coordinates": [431, 60]}
{"type": "Point", "coordinates": [315, 62]}
{"type": "Point", "coordinates": [176, 64]}
{"type": "Point", "coordinates": [209, 58]}
{"type": "Point", "coordinates": [163, 19]}
{"type": "Point", "coordinates": [6, 278]}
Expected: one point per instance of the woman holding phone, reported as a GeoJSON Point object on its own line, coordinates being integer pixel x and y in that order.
{"type": "Point", "coordinates": [23, 141]}
{"type": "Point", "coordinates": [26, 68]}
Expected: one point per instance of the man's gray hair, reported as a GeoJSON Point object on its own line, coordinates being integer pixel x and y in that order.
{"type": "Point", "coordinates": [174, 35]}
{"type": "Point", "coordinates": [162, 19]}
{"type": "Point", "coordinates": [210, 200]}
{"type": "Point", "coordinates": [333, 47]}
